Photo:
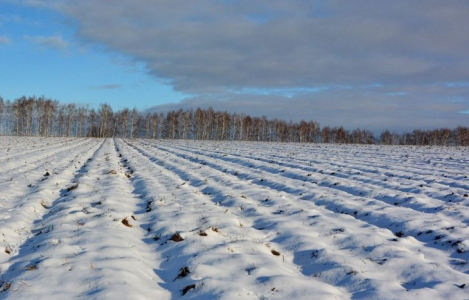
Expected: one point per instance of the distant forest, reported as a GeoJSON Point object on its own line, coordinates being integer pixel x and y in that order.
{"type": "Point", "coordinates": [39, 116]}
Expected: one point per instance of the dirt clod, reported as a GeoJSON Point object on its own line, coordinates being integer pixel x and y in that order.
{"type": "Point", "coordinates": [187, 289]}
{"type": "Point", "coordinates": [126, 223]}
{"type": "Point", "coordinates": [5, 286]}
{"type": "Point", "coordinates": [183, 273]}
{"type": "Point", "coordinates": [176, 238]}
{"type": "Point", "coordinates": [72, 187]}
{"type": "Point", "coordinates": [31, 268]}
{"type": "Point", "coordinates": [44, 204]}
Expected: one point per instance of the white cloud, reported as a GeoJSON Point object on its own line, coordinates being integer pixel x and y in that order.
{"type": "Point", "coordinates": [204, 46]}
{"type": "Point", "coordinates": [4, 40]}
{"type": "Point", "coordinates": [56, 41]}
{"type": "Point", "coordinates": [38, 3]}
{"type": "Point", "coordinates": [221, 49]}
{"type": "Point", "coordinates": [367, 108]}
{"type": "Point", "coordinates": [107, 87]}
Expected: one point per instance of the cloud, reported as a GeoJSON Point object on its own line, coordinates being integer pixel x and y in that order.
{"type": "Point", "coordinates": [37, 3]}
{"type": "Point", "coordinates": [56, 41]}
{"type": "Point", "coordinates": [375, 108]}
{"type": "Point", "coordinates": [107, 87]}
{"type": "Point", "coordinates": [4, 40]}
{"type": "Point", "coordinates": [10, 18]}
{"type": "Point", "coordinates": [205, 46]}
{"type": "Point", "coordinates": [394, 57]}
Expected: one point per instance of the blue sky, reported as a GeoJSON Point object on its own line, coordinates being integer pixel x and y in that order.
{"type": "Point", "coordinates": [395, 65]}
{"type": "Point", "coordinates": [34, 63]}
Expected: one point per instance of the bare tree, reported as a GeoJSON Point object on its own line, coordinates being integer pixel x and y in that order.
{"type": "Point", "coordinates": [70, 118]}
{"type": "Point", "coordinates": [462, 134]}
{"type": "Point", "coordinates": [134, 123]}
{"type": "Point", "coordinates": [45, 117]}
{"type": "Point", "coordinates": [105, 115]}
{"type": "Point", "coordinates": [125, 122]}
{"type": "Point", "coordinates": [148, 125]}
{"type": "Point", "coordinates": [81, 121]}
{"type": "Point", "coordinates": [325, 134]}
{"type": "Point", "coordinates": [187, 122]}
{"type": "Point", "coordinates": [386, 138]}
{"type": "Point", "coordinates": [247, 122]}
{"type": "Point", "coordinates": [445, 134]}
{"type": "Point", "coordinates": [154, 125]}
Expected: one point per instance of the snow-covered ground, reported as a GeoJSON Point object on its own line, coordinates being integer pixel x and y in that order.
{"type": "Point", "coordinates": [146, 219]}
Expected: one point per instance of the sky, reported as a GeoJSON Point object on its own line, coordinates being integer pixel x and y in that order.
{"type": "Point", "coordinates": [372, 64]}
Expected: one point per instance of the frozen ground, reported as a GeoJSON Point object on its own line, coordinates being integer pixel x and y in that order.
{"type": "Point", "coordinates": [145, 219]}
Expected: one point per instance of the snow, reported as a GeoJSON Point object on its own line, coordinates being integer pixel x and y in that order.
{"type": "Point", "coordinates": [150, 219]}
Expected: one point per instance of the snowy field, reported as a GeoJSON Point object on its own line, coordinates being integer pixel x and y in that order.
{"type": "Point", "coordinates": [146, 219]}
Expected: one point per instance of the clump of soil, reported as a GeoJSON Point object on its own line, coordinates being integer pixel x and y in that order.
{"type": "Point", "coordinates": [44, 204]}
{"type": "Point", "coordinates": [276, 253]}
{"type": "Point", "coordinates": [188, 288]}
{"type": "Point", "coordinates": [183, 273]}
{"type": "Point", "coordinates": [126, 223]}
{"type": "Point", "coordinates": [5, 286]}
{"type": "Point", "coordinates": [72, 187]}
{"type": "Point", "coordinates": [148, 209]}
{"type": "Point", "coordinates": [176, 238]}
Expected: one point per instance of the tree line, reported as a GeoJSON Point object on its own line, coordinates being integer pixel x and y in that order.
{"type": "Point", "coordinates": [41, 116]}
